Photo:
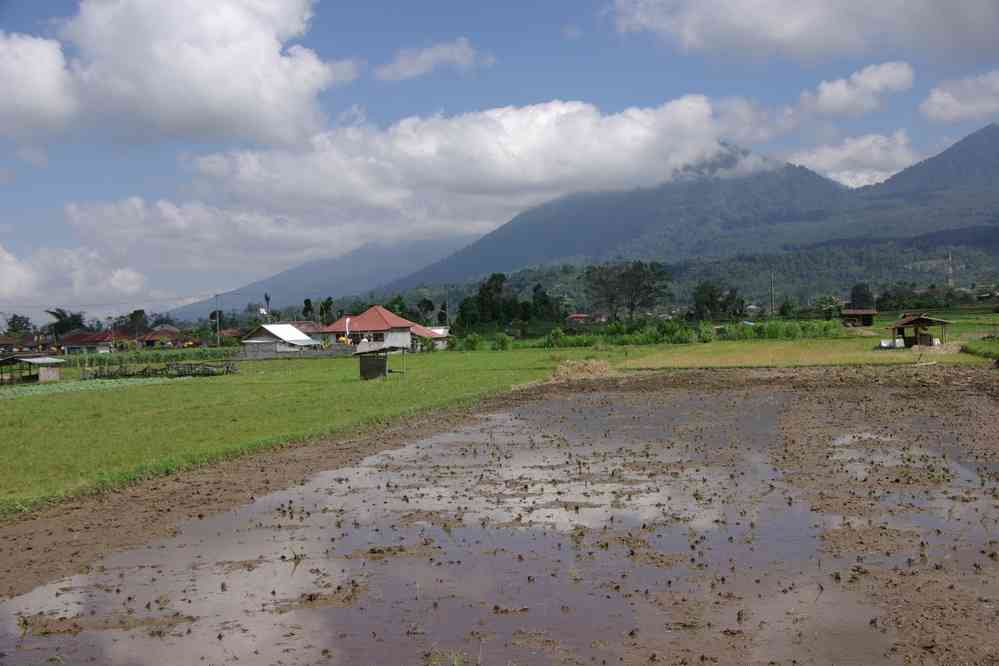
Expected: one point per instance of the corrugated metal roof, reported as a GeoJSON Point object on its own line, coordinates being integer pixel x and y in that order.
{"type": "Point", "coordinates": [290, 334]}
{"type": "Point", "coordinates": [918, 320]}
{"type": "Point", "coordinates": [32, 360]}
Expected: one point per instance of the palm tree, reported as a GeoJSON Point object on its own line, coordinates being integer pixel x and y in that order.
{"type": "Point", "coordinates": [65, 321]}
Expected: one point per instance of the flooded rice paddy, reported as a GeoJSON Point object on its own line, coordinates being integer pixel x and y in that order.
{"type": "Point", "coordinates": [669, 526]}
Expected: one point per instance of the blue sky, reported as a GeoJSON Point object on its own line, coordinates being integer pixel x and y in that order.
{"type": "Point", "coordinates": [152, 153]}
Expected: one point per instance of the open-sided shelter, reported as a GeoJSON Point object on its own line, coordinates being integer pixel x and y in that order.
{"type": "Point", "coordinates": [41, 369]}
{"type": "Point", "coordinates": [915, 329]}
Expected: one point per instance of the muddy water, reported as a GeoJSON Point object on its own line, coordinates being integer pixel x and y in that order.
{"type": "Point", "coordinates": [635, 528]}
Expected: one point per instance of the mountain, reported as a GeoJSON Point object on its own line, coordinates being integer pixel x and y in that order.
{"type": "Point", "coordinates": [353, 273]}
{"type": "Point", "coordinates": [970, 164]}
{"type": "Point", "coordinates": [779, 208]}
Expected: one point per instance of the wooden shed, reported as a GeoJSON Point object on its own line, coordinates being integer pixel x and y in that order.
{"type": "Point", "coordinates": [915, 330]}
{"type": "Point", "coordinates": [21, 369]}
{"type": "Point", "coordinates": [858, 316]}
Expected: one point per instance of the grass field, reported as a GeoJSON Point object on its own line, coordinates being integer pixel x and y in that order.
{"type": "Point", "coordinates": [987, 348]}
{"type": "Point", "coordinates": [76, 437]}
{"type": "Point", "coordinates": [63, 441]}
{"type": "Point", "coordinates": [788, 353]}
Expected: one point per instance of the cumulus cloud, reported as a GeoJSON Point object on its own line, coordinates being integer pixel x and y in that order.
{"type": "Point", "coordinates": [194, 236]}
{"type": "Point", "coordinates": [38, 93]}
{"type": "Point", "coordinates": [860, 93]}
{"type": "Point", "coordinates": [812, 29]}
{"type": "Point", "coordinates": [52, 277]}
{"type": "Point", "coordinates": [862, 160]}
{"type": "Point", "coordinates": [417, 178]}
{"type": "Point", "coordinates": [413, 63]}
{"type": "Point", "coordinates": [972, 98]}
{"type": "Point", "coordinates": [225, 69]}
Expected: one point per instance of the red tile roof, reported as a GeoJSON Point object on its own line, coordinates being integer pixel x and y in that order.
{"type": "Point", "coordinates": [375, 318]}
{"type": "Point", "coordinates": [86, 338]}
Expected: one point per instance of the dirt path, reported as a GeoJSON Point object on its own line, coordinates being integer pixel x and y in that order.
{"type": "Point", "coordinates": [737, 516]}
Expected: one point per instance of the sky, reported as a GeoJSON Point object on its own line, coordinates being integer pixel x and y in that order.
{"type": "Point", "coordinates": [155, 153]}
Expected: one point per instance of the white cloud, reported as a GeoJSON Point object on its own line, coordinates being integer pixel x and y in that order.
{"type": "Point", "coordinates": [163, 236]}
{"type": "Point", "coordinates": [859, 94]}
{"type": "Point", "coordinates": [412, 63]}
{"type": "Point", "coordinates": [862, 160]}
{"type": "Point", "coordinates": [258, 211]}
{"type": "Point", "coordinates": [202, 69]}
{"type": "Point", "coordinates": [52, 277]}
{"type": "Point", "coordinates": [38, 93]}
{"type": "Point", "coordinates": [811, 29]}
{"type": "Point", "coordinates": [479, 166]}
{"type": "Point", "coordinates": [972, 98]}
{"type": "Point", "coordinates": [225, 69]}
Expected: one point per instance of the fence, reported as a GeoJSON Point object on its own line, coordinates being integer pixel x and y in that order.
{"type": "Point", "coordinates": [263, 351]}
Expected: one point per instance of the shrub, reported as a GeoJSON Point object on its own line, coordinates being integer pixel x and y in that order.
{"type": "Point", "coordinates": [471, 342]}
{"type": "Point", "coordinates": [502, 342]}
{"type": "Point", "coordinates": [705, 332]}
{"type": "Point", "coordinates": [554, 338]}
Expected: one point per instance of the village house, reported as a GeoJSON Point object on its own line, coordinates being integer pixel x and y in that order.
{"type": "Point", "coordinates": [277, 339]}
{"type": "Point", "coordinates": [89, 342]}
{"type": "Point", "coordinates": [382, 328]}
{"type": "Point", "coordinates": [163, 335]}
{"type": "Point", "coordinates": [7, 343]}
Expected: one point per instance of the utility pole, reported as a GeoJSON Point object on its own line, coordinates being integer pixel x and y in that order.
{"type": "Point", "coordinates": [773, 298]}
{"type": "Point", "coordinates": [218, 320]}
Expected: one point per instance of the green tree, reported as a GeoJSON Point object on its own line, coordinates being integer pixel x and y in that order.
{"type": "Point", "coordinates": [490, 298]}
{"type": "Point", "coordinates": [65, 321]}
{"type": "Point", "coordinates": [19, 324]}
{"type": "Point", "coordinates": [426, 308]}
{"type": "Point", "coordinates": [642, 285]}
{"type": "Point", "coordinates": [397, 305]}
{"type": "Point", "coordinates": [788, 308]}
{"type": "Point", "coordinates": [828, 305]}
{"type": "Point", "coordinates": [442, 315]}
{"type": "Point", "coordinates": [602, 283]}
{"type": "Point", "coordinates": [861, 296]}
{"type": "Point", "coordinates": [307, 309]}
{"type": "Point", "coordinates": [326, 310]}
{"type": "Point", "coordinates": [707, 300]}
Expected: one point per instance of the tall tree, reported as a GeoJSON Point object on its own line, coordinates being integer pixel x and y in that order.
{"type": "Point", "coordinates": [307, 310]}
{"type": "Point", "coordinates": [708, 297]}
{"type": "Point", "coordinates": [442, 316]}
{"type": "Point", "coordinates": [18, 324]}
{"type": "Point", "coordinates": [642, 285]}
{"type": "Point", "coordinates": [65, 321]}
{"type": "Point", "coordinates": [426, 308]}
{"type": "Point", "coordinates": [603, 285]}
{"type": "Point", "coordinates": [137, 323]}
{"type": "Point", "coordinates": [861, 296]}
{"type": "Point", "coordinates": [326, 310]}
{"type": "Point", "coordinates": [490, 298]}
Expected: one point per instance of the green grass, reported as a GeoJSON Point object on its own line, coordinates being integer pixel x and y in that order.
{"type": "Point", "coordinates": [967, 322]}
{"type": "Point", "coordinates": [788, 353]}
{"type": "Point", "coordinates": [986, 348]}
{"type": "Point", "coordinates": [56, 444]}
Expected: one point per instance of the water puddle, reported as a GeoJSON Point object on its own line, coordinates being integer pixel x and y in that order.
{"type": "Point", "coordinates": [585, 529]}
